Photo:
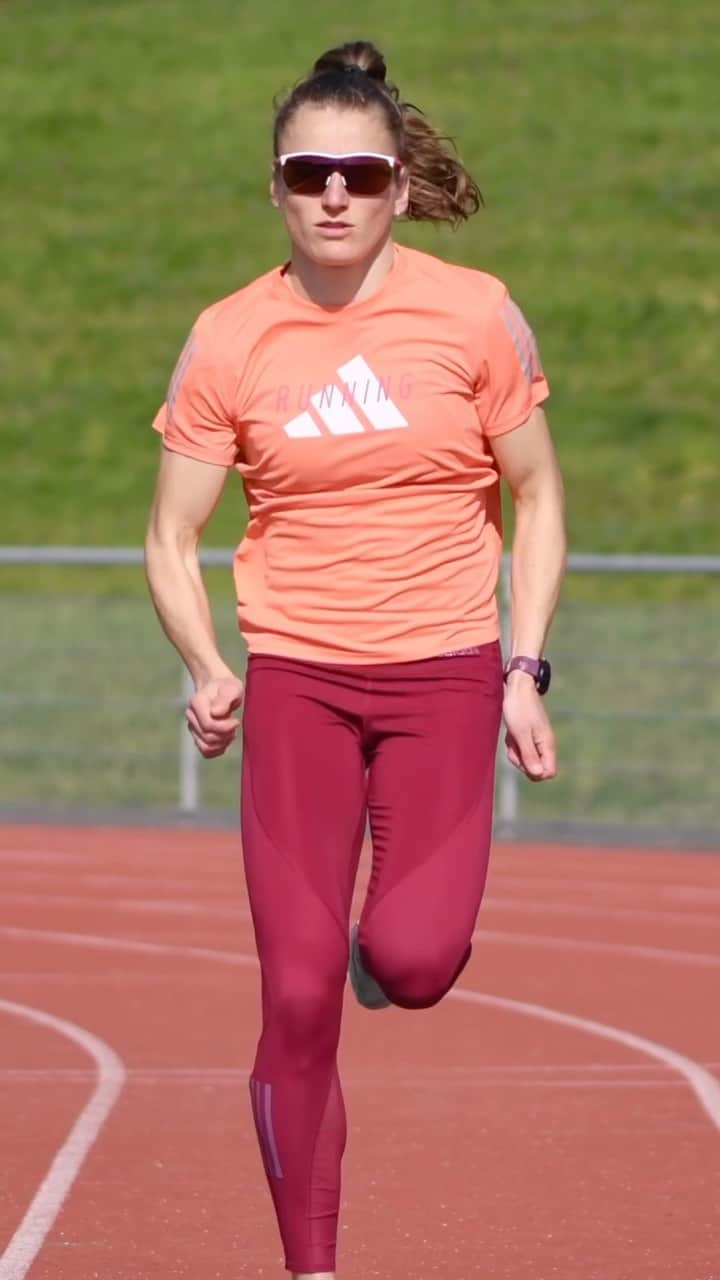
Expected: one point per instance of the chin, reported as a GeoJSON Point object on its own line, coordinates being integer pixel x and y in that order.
{"type": "Point", "coordinates": [336, 253]}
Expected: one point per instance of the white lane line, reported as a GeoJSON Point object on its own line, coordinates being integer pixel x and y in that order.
{"type": "Point", "coordinates": [705, 1087]}
{"type": "Point", "coordinates": [69, 978]}
{"type": "Point", "coordinates": [695, 893]}
{"type": "Point", "coordinates": [107, 943]}
{"type": "Point", "coordinates": [581, 944]}
{"type": "Point", "coordinates": [504, 882]}
{"type": "Point", "coordinates": [10, 853]}
{"type": "Point", "coordinates": [28, 1239]}
{"type": "Point", "coordinates": [520, 905]}
{"type": "Point", "coordinates": [482, 935]}
{"type": "Point", "coordinates": [98, 880]}
{"type": "Point", "coordinates": [501, 1082]}
{"type": "Point", "coordinates": [209, 908]}
{"type": "Point", "coordinates": [620, 1072]}
{"type": "Point", "coordinates": [133, 1075]}
{"type": "Point", "coordinates": [61, 860]}
{"type": "Point", "coordinates": [503, 879]}
{"type": "Point", "coordinates": [446, 1074]}
{"type": "Point", "coordinates": [166, 906]}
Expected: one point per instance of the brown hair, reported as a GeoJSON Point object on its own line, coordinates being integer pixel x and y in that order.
{"type": "Point", "coordinates": [354, 75]}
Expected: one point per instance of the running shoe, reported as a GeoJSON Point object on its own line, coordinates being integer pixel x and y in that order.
{"type": "Point", "coordinates": [369, 992]}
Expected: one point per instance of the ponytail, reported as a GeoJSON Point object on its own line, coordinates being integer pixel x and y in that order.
{"type": "Point", "coordinates": [354, 75]}
{"type": "Point", "coordinates": [441, 189]}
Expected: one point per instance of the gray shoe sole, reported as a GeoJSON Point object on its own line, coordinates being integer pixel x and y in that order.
{"type": "Point", "coordinates": [369, 992]}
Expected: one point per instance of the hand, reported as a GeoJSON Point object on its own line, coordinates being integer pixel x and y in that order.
{"type": "Point", "coordinates": [209, 718]}
{"type": "Point", "coordinates": [530, 739]}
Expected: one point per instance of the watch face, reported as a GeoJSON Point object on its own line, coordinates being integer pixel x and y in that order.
{"type": "Point", "coordinates": [542, 680]}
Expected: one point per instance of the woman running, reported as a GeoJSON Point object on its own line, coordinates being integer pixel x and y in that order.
{"type": "Point", "coordinates": [370, 396]}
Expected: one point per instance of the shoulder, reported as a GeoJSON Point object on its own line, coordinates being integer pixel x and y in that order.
{"type": "Point", "coordinates": [236, 315]}
{"type": "Point", "coordinates": [465, 287]}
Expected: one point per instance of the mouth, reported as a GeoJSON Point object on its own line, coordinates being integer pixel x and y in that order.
{"type": "Point", "coordinates": [334, 226]}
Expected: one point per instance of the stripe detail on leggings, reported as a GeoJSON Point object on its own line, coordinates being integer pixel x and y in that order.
{"type": "Point", "coordinates": [262, 1109]}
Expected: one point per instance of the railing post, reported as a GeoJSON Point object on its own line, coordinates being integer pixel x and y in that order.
{"type": "Point", "coordinates": [508, 777]}
{"type": "Point", "coordinates": [189, 761]}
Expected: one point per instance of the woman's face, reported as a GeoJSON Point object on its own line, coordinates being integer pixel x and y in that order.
{"type": "Point", "coordinates": [337, 228]}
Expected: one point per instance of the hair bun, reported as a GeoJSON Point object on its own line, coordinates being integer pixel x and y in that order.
{"type": "Point", "coordinates": [355, 55]}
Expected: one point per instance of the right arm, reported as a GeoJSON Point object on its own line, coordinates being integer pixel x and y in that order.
{"type": "Point", "coordinates": [186, 495]}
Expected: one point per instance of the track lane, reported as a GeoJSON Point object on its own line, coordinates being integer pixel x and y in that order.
{"type": "Point", "coordinates": [526, 1141]}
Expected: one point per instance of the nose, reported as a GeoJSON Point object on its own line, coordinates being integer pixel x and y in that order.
{"type": "Point", "coordinates": [335, 196]}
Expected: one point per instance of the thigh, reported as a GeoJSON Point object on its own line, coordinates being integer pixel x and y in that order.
{"type": "Point", "coordinates": [303, 806]}
{"type": "Point", "coordinates": [431, 782]}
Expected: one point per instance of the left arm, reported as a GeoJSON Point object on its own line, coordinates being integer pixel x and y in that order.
{"type": "Point", "coordinates": [526, 459]}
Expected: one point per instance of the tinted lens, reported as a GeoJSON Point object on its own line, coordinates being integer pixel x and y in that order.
{"type": "Point", "coordinates": [363, 175]}
{"type": "Point", "coordinates": [366, 177]}
{"type": "Point", "coordinates": [307, 177]}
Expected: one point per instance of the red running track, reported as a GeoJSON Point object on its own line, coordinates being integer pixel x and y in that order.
{"type": "Point", "coordinates": [566, 1129]}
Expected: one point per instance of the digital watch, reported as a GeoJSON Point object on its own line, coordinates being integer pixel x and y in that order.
{"type": "Point", "coordinates": [538, 668]}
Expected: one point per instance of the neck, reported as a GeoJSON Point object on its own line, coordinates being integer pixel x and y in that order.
{"type": "Point", "coordinates": [338, 286]}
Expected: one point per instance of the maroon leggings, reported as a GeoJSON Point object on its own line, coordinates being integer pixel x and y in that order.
{"type": "Point", "coordinates": [411, 746]}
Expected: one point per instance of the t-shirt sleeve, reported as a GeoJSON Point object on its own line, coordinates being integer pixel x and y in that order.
{"type": "Point", "coordinates": [198, 417]}
{"type": "Point", "coordinates": [511, 381]}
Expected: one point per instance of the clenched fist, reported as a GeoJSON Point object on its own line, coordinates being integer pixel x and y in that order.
{"type": "Point", "coordinates": [209, 715]}
{"type": "Point", "coordinates": [530, 740]}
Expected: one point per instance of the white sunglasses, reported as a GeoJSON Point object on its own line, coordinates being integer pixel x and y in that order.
{"type": "Point", "coordinates": [364, 173]}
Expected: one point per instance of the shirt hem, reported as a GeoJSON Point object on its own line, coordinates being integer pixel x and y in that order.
{"type": "Point", "coordinates": [269, 647]}
{"type": "Point", "coordinates": [198, 454]}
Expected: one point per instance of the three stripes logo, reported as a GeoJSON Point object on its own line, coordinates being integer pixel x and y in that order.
{"type": "Point", "coordinates": [261, 1098]}
{"type": "Point", "coordinates": [179, 372]}
{"type": "Point", "coordinates": [335, 406]}
{"type": "Point", "coordinates": [523, 339]}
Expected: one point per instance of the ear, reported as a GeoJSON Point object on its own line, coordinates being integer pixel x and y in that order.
{"type": "Point", "coordinates": [402, 199]}
{"type": "Point", "coordinates": [275, 190]}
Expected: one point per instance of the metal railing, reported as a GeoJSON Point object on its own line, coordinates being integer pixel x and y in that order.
{"type": "Point", "coordinates": [510, 783]}
{"type": "Point", "coordinates": [614, 669]}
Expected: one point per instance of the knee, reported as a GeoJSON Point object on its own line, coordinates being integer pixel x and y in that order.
{"type": "Point", "coordinates": [304, 1011]}
{"type": "Point", "coordinates": [414, 974]}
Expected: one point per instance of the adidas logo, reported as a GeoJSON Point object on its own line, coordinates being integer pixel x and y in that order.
{"type": "Point", "coordinates": [335, 406]}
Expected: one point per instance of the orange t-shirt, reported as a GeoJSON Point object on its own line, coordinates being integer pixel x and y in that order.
{"type": "Point", "coordinates": [361, 435]}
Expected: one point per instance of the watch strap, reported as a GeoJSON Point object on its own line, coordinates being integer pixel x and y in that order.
{"type": "Point", "coordinates": [538, 668]}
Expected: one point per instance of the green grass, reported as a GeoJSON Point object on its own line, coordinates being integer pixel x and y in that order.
{"type": "Point", "coordinates": [133, 172]}
{"type": "Point", "coordinates": [91, 713]}
{"type": "Point", "coordinates": [133, 169]}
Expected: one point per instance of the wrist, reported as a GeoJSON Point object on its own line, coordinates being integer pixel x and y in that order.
{"type": "Point", "coordinates": [523, 667]}
{"type": "Point", "coordinates": [519, 680]}
{"type": "Point", "coordinates": [203, 674]}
